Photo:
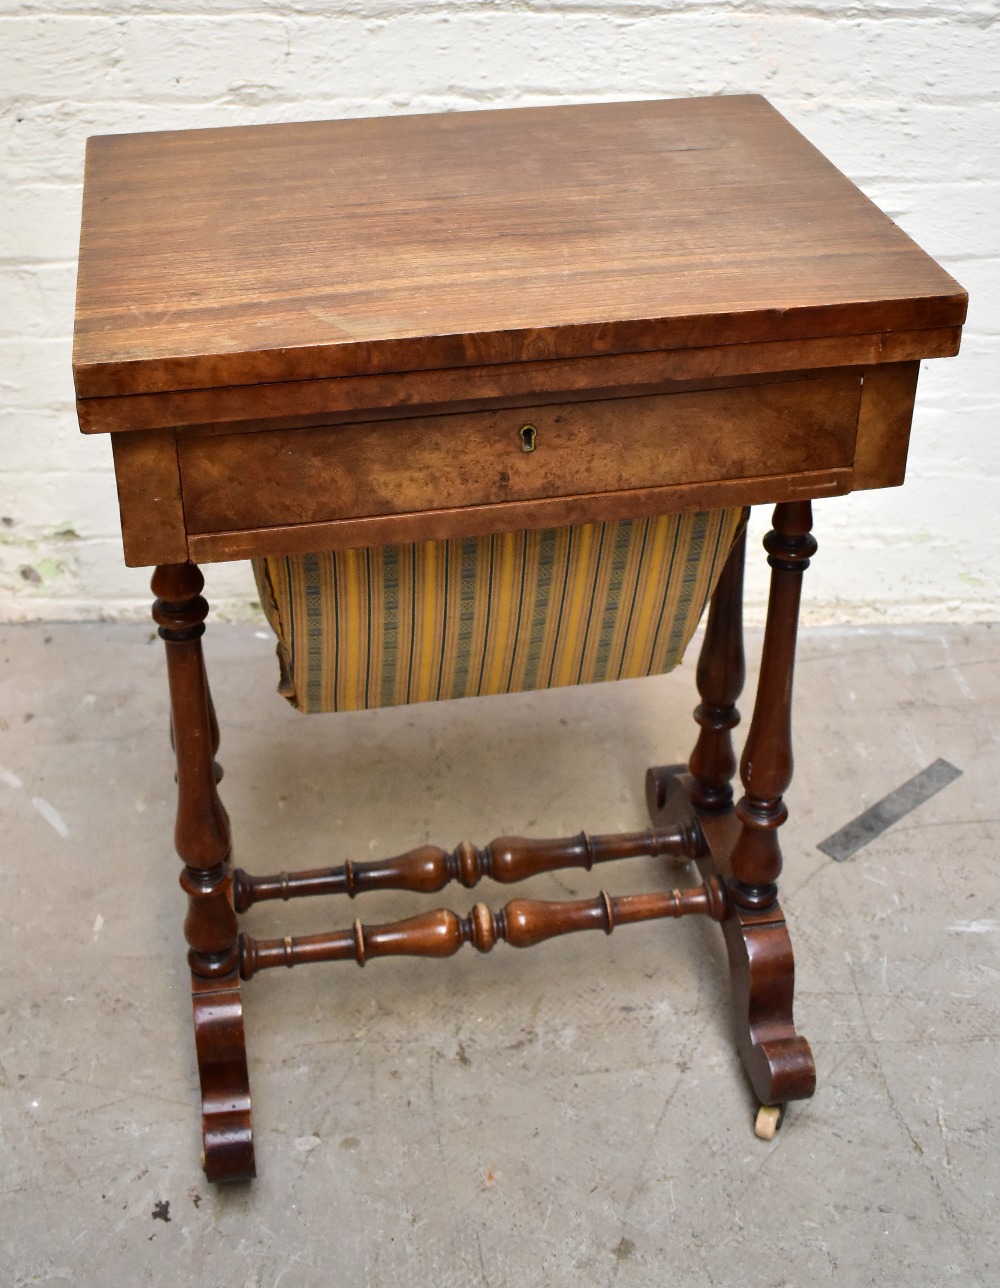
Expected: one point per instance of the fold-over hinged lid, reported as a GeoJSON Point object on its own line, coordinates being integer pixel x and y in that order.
{"type": "Point", "coordinates": [292, 252]}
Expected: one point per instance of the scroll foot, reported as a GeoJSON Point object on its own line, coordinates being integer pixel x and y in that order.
{"type": "Point", "coordinates": [779, 1063]}
{"type": "Point", "coordinates": [225, 1085]}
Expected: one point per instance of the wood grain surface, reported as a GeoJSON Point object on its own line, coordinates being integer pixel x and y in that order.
{"type": "Point", "coordinates": [618, 444]}
{"type": "Point", "coordinates": [265, 484]}
{"type": "Point", "coordinates": [303, 251]}
{"type": "Point", "coordinates": [511, 516]}
{"type": "Point", "coordinates": [290, 403]}
{"type": "Point", "coordinates": [149, 498]}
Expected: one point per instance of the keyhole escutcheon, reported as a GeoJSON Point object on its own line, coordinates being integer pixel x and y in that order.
{"type": "Point", "coordinates": [528, 435]}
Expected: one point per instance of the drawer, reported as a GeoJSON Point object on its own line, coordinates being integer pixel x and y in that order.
{"type": "Point", "coordinates": [274, 478]}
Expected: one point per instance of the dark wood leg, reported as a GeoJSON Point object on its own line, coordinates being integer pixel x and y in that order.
{"type": "Point", "coordinates": [766, 765]}
{"type": "Point", "coordinates": [203, 842]}
{"type": "Point", "coordinates": [779, 1062]}
{"type": "Point", "coordinates": [720, 676]}
{"type": "Point", "coordinates": [742, 844]}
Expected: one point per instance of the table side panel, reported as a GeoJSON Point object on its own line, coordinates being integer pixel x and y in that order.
{"type": "Point", "coordinates": [149, 497]}
{"type": "Point", "coordinates": [613, 445]}
{"type": "Point", "coordinates": [153, 517]}
{"type": "Point", "coordinates": [511, 516]}
{"type": "Point", "coordinates": [884, 425]}
{"type": "Point", "coordinates": [291, 404]}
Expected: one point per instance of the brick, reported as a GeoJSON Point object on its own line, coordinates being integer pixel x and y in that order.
{"type": "Point", "coordinates": [43, 501]}
{"type": "Point", "coordinates": [37, 373]}
{"type": "Point", "coordinates": [200, 58]}
{"type": "Point", "coordinates": [65, 56]}
{"type": "Point", "coordinates": [974, 13]}
{"type": "Point", "coordinates": [42, 439]}
{"type": "Point", "coordinates": [954, 445]}
{"type": "Point", "coordinates": [35, 300]}
{"type": "Point", "coordinates": [917, 140]}
{"type": "Point", "coordinates": [41, 222]}
{"type": "Point", "coordinates": [967, 383]}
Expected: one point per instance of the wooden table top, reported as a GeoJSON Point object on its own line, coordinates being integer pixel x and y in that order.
{"type": "Point", "coordinates": [213, 258]}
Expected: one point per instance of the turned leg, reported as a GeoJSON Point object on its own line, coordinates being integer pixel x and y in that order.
{"type": "Point", "coordinates": [670, 789]}
{"type": "Point", "coordinates": [779, 1062]}
{"type": "Point", "coordinates": [766, 765]}
{"type": "Point", "coordinates": [203, 843]}
{"type": "Point", "coordinates": [720, 675]}
{"type": "Point", "coordinates": [741, 843]}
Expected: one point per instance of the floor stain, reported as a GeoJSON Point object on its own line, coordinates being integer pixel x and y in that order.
{"type": "Point", "coordinates": [624, 1249]}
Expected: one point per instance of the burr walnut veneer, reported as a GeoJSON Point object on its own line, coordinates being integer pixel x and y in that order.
{"type": "Point", "coordinates": [311, 337]}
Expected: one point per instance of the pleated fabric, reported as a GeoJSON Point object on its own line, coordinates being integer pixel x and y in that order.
{"type": "Point", "coordinates": [383, 626]}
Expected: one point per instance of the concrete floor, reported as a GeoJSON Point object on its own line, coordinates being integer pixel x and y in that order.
{"type": "Point", "coordinates": [572, 1115]}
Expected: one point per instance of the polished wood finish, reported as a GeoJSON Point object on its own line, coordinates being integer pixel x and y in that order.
{"type": "Point", "coordinates": [159, 520]}
{"type": "Point", "coordinates": [766, 764]}
{"type": "Point", "coordinates": [512, 516]}
{"type": "Point", "coordinates": [202, 838]}
{"type": "Point", "coordinates": [508, 859]}
{"type": "Point", "coordinates": [640, 251]}
{"type": "Point", "coordinates": [338, 248]}
{"type": "Point", "coordinates": [149, 497]}
{"type": "Point", "coordinates": [720, 675]}
{"type": "Point", "coordinates": [322, 335]}
{"type": "Point", "coordinates": [884, 425]}
{"type": "Point", "coordinates": [741, 843]}
{"type": "Point", "coordinates": [522, 923]}
{"type": "Point", "coordinates": [290, 404]}
{"type": "Point", "coordinates": [778, 1061]}
{"type": "Point", "coordinates": [475, 458]}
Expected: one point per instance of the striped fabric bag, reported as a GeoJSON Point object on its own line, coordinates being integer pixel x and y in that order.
{"type": "Point", "coordinates": [378, 627]}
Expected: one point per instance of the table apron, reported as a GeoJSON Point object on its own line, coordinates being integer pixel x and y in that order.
{"type": "Point", "coordinates": [230, 496]}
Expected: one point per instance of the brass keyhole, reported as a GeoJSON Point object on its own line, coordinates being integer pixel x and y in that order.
{"type": "Point", "coordinates": [529, 438]}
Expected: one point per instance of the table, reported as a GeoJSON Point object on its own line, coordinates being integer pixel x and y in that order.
{"type": "Point", "coordinates": [334, 334]}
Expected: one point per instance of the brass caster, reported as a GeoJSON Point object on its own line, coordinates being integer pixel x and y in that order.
{"type": "Point", "coordinates": [768, 1121]}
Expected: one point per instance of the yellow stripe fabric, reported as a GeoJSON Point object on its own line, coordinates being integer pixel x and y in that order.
{"type": "Point", "coordinates": [496, 614]}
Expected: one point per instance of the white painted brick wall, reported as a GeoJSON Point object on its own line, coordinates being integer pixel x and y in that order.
{"type": "Point", "coordinates": [901, 94]}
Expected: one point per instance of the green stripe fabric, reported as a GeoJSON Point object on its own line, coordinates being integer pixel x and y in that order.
{"type": "Point", "coordinates": [495, 614]}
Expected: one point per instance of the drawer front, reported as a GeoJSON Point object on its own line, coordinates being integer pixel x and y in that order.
{"type": "Point", "coordinates": [267, 479]}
